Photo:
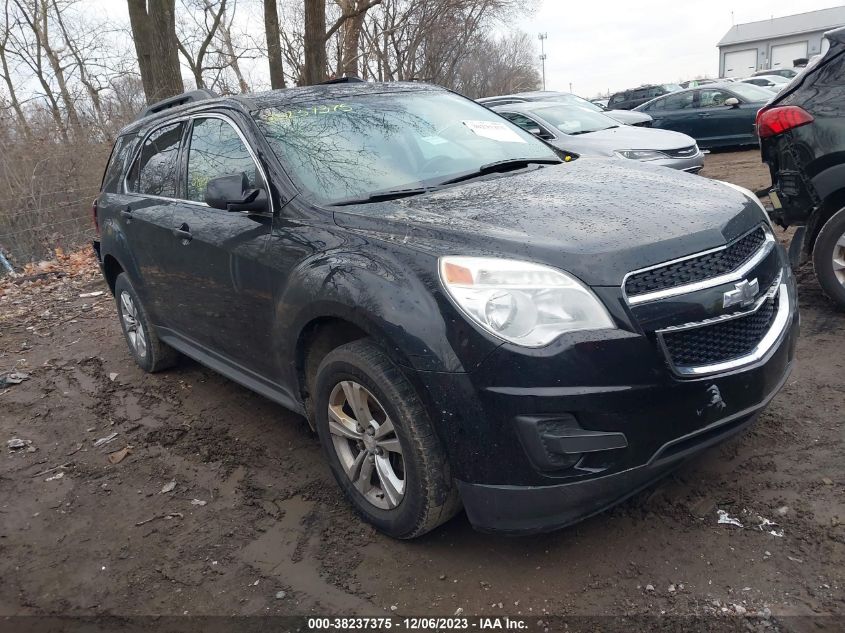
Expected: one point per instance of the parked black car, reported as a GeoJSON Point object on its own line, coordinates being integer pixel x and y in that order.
{"type": "Point", "coordinates": [717, 115]}
{"type": "Point", "coordinates": [463, 316]}
{"type": "Point", "coordinates": [630, 99]}
{"type": "Point", "coordinates": [802, 139]}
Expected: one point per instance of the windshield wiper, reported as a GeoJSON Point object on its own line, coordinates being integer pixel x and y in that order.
{"type": "Point", "coordinates": [380, 196]}
{"type": "Point", "coordinates": [510, 164]}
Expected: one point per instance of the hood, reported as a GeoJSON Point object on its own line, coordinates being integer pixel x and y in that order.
{"type": "Point", "coordinates": [595, 218]}
{"type": "Point", "coordinates": [605, 142]}
{"type": "Point", "coordinates": [628, 117]}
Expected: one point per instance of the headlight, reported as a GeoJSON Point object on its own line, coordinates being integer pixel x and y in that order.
{"type": "Point", "coordinates": [640, 154]}
{"type": "Point", "coordinates": [750, 194]}
{"type": "Point", "coordinates": [524, 303]}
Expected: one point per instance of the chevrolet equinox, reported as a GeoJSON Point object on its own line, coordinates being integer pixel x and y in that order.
{"type": "Point", "coordinates": [466, 316]}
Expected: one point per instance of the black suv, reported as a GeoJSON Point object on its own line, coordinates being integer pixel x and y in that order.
{"type": "Point", "coordinates": [464, 316]}
{"type": "Point", "coordinates": [630, 99]}
{"type": "Point", "coordinates": [802, 139]}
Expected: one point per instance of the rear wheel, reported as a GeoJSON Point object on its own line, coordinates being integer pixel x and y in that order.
{"type": "Point", "coordinates": [380, 443]}
{"type": "Point", "coordinates": [829, 258]}
{"type": "Point", "coordinates": [149, 352]}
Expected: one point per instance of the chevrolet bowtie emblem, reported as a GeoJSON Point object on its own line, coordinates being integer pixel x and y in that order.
{"type": "Point", "coordinates": [743, 294]}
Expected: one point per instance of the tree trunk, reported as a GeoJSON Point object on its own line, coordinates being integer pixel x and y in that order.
{"type": "Point", "coordinates": [315, 42]}
{"type": "Point", "coordinates": [351, 36]}
{"type": "Point", "coordinates": [274, 44]}
{"type": "Point", "coordinates": [154, 32]}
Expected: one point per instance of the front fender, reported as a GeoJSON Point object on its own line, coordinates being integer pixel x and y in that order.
{"type": "Point", "coordinates": [395, 299]}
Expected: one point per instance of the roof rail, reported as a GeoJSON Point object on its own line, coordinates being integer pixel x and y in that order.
{"type": "Point", "coordinates": [171, 102]}
{"type": "Point", "coordinates": [349, 79]}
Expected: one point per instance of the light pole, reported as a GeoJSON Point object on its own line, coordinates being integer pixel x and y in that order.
{"type": "Point", "coordinates": [543, 37]}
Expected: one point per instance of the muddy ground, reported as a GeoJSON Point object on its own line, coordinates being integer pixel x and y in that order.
{"type": "Point", "coordinates": [255, 512]}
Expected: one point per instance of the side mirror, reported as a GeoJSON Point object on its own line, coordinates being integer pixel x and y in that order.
{"type": "Point", "coordinates": [535, 131]}
{"type": "Point", "coordinates": [233, 193]}
{"type": "Point", "coordinates": [732, 102]}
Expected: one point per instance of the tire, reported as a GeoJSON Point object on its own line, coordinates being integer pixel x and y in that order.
{"type": "Point", "coordinates": [360, 372]}
{"type": "Point", "coordinates": [149, 352]}
{"type": "Point", "coordinates": [828, 255]}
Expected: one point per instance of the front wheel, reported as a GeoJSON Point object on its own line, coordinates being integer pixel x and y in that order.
{"type": "Point", "coordinates": [380, 443]}
{"type": "Point", "coordinates": [829, 258]}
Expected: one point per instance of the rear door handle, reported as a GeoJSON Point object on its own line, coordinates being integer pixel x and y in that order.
{"type": "Point", "coordinates": [183, 233]}
{"type": "Point", "coordinates": [704, 115]}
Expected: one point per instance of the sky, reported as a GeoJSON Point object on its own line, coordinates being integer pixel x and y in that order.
{"type": "Point", "coordinates": [613, 45]}
{"type": "Point", "coordinates": [603, 45]}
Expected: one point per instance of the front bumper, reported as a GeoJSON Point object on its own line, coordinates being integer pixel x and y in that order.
{"type": "Point", "coordinates": [533, 509]}
{"type": "Point", "coordinates": [619, 420]}
{"type": "Point", "coordinates": [693, 164]}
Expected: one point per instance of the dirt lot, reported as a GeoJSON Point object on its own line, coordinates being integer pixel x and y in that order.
{"type": "Point", "coordinates": [255, 512]}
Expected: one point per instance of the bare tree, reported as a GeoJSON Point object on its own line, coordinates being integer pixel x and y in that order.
{"type": "Point", "coordinates": [5, 69]}
{"type": "Point", "coordinates": [314, 70]}
{"type": "Point", "coordinates": [274, 44]}
{"type": "Point", "coordinates": [202, 19]}
{"type": "Point", "coordinates": [154, 33]}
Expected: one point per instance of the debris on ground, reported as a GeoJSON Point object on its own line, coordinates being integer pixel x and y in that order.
{"type": "Point", "coordinates": [168, 487]}
{"type": "Point", "coordinates": [198, 502]}
{"type": "Point", "coordinates": [168, 516]}
{"type": "Point", "coordinates": [113, 376]}
{"type": "Point", "coordinates": [280, 595]}
{"type": "Point", "coordinates": [105, 440]}
{"type": "Point", "coordinates": [58, 475]}
{"type": "Point", "coordinates": [726, 519]}
{"type": "Point", "coordinates": [88, 295]}
{"type": "Point", "coordinates": [119, 456]}
{"type": "Point", "coordinates": [13, 378]}
{"type": "Point", "coordinates": [17, 444]}
{"type": "Point", "coordinates": [766, 525]}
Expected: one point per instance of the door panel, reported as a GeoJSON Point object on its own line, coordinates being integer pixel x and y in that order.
{"type": "Point", "coordinates": [144, 212]}
{"type": "Point", "coordinates": [222, 294]}
{"type": "Point", "coordinates": [719, 123]}
{"type": "Point", "coordinates": [675, 112]}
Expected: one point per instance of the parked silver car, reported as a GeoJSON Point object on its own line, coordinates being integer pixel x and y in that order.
{"type": "Point", "coordinates": [591, 133]}
{"type": "Point", "coordinates": [622, 116]}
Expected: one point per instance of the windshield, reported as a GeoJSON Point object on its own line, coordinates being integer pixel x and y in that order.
{"type": "Point", "coordinates": [575, 100]}
{"type": "Point", "coordinates": [750, 92]}
{"type": "Point", "coordinates": [359, 145]}
{"type": "Point", "coordinates": [575, 120]}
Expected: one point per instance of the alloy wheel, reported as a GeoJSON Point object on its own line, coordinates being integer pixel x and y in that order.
{"type": "Point", "coordinates": [134, 329]}
{"type": "Point", "coordinates": [839, 259]}
{"type": "Point", "coordinates": [366, 444]}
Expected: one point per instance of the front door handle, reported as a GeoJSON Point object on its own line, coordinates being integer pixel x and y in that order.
{"type": "Point", "coordinates": [183, 233]}
{"type": "Point", "coordinates": [126, 212]}
{"type": "Point", "coordinates": [704, 115]}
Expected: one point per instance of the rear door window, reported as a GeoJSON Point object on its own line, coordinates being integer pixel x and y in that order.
{"type": "Point", "coordinates": [678, 101]}
{"type": "Point", "coordinates": [216, 149]}
{"type": "Point", "coordinates": [117, 162]}
{"type": "Point", "coordinates": [154, 171]}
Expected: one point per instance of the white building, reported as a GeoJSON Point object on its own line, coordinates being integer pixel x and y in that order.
{"type": "Point", "coordinates": [775, 43]}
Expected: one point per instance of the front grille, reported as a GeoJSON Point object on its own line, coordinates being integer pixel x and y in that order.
{"type": "Point", "coordinates": [722, 341]}
{"type": "Point", "coordinates": [684, 152]}
{"type": "Point", "coordinates": [696, 268]}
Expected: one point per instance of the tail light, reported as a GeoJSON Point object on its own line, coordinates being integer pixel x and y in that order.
{"type": "Point", "coordinates": [780, 119]}
{"type": "Point", "coordinates": [95, 216]}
